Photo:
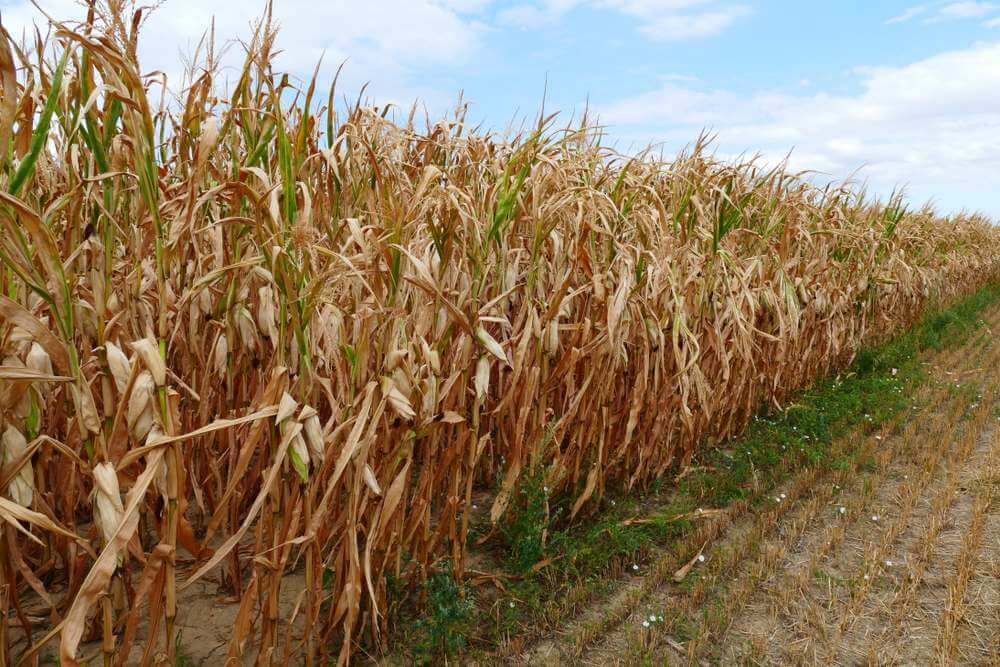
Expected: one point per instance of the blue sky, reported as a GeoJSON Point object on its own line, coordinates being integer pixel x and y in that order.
{"type": "Point", "coordinates": [896, 92]}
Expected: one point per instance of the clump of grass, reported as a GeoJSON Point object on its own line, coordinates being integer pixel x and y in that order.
{"type": "Point", "coordinates": [250, 326]}
{"type": "Point", "coordinates": [529, 514]}
{"type": "Point", "coordinates": [526, 530]}
{"type": "Point", "coordinates": [448, 610]}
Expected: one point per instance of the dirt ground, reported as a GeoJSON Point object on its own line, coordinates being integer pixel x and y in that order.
{"type": "Point", "coordinates": [893, 559]}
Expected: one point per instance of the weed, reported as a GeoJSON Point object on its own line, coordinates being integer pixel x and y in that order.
{"type": "Point", "coordinates": [528, 520]}
{"type": "Point", "coordinates": [529, 515]}
{"type": "Point", "coordinates": [181, 658]}
{"type": "Point", "coordinates": [449, 608]}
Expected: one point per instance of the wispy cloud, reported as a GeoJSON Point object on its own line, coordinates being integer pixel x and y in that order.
{"type": "Point", "coordinates": [947, 11]}
{"type": "Point", "coordinates": [908, 15]}
{"type": "Point", "coordinates": [966, 10]}
{"type": "Point", "coordinates": [666, 20]}
{"type": "Point", "coordinates": [681, 26]}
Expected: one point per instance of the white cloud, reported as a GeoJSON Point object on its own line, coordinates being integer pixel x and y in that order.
{"type": "Point", "coordinates": [966, 10]}
{"type": "Point", "coordinates": [384, 41]}
{"type": "Point", "coordinates": [668, 20]}
{"type": "Point", "coordinates": [934, 124]}
{"type": "Point", "coordinates": [694, 25]}
{"type": "Point", "coordinates": [677, 77]}
{"type": "Point", "coordinates": [524, 16]}
{"type": "Point", "coordinates": [947, 11]}
{"type": "Point", "coordinates": [908, 14]}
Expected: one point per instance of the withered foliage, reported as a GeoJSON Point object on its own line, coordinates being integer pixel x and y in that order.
{"type": "Point", "coordinates": [277, 337]}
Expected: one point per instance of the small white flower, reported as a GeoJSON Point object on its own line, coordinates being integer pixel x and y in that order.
{"type": "Point", "coordinates": [843, 510]}
{"type": "Point", "coordinates": [783, 496]}
{"type": "Point", "coordinates": [701, 558]}
{"type": "Point", "coordinates": [635, 567]}
{"type": "Point", "coordinates": [511, 605]}
{"type": "Point", "coordinates": [866, 577]}
{"type": "Point", "coordinates": [475, 506]}
{"type": "Point", "coordinates": [652, 618]}
{"type": "Point", "coordinates": [874, 517]}
{"type": "Point", "coordinates": [545, 488]}
{"type": "Point", "coordinates": [888, 563]}
{"type": "Point", "coordinates": [660, 618]}
{"type": "Point", "coordinates": [645, 624]}
{"type": "Point", "coordinates": [878, 437]}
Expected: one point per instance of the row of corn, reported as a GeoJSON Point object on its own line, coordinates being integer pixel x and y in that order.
{"type": "Point", "coordinates": [245, 335]}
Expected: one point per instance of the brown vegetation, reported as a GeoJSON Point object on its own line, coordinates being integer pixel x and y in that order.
{"type": "Point", "coordinates": [281, 337]}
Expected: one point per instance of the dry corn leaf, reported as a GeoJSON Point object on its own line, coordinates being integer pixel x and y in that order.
{"type": "Point", "coordinates": [680, 574]}
{"type": "Point", "coordinates": [17, 373]}
{"type": "Point", "coordinates": [17, 315]}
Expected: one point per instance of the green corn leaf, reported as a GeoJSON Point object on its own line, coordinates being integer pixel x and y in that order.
{"type": "Point", "coordinates": [41, 132]}
{"type": "Point", "coordinates": [298, 464]}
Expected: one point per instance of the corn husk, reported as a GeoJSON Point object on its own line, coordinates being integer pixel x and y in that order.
{"type": "Point", "coordinates": [22, 487]}
{"type": "Point", "coordinates": [119, 366]}
{"type": "Point", "coordinates": [38, 360]}
{"type": "Point", "coordinates": [220, 354]}
{"type": "Point", "coordinates": [397, 399]}
{"type": "Point", "coordinates": [149, 352]}
{"type": "Point", "coordinates": [491, 345]}
{"type": "Point", "coordinates": [266, 312]}
{"type": "Point", "coordinates": [313, 433]}
{"type": "Point", "coordinates": [141, 406]}
{"type": "Point", "coordinates": [108, 507]}
{"type": "Point", "coordinates": [482, 377]}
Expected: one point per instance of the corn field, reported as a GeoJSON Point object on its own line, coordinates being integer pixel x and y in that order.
{"type": "Point", "coordinates": [269, 333]}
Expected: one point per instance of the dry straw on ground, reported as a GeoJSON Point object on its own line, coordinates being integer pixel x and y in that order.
{"type": "Point", "coordinates": [303, 337]}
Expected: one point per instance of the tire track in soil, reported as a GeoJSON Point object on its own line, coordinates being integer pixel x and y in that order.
{"type": "Point", "coordinates": [603, 636]}
{"type": "Point", "coordinates": [895, 569]}
{"type": "Point", "coordinates": [886, 598]}
{"type": "Point", "coordinates": [962, 509]}
{"type": "Point", "coordinates": [968, 611]}
{"type": "Point", "coordinates": [767, 602]}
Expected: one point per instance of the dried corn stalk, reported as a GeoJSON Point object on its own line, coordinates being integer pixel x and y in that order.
{"type": "Point", "coordinates": [342, 325]}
